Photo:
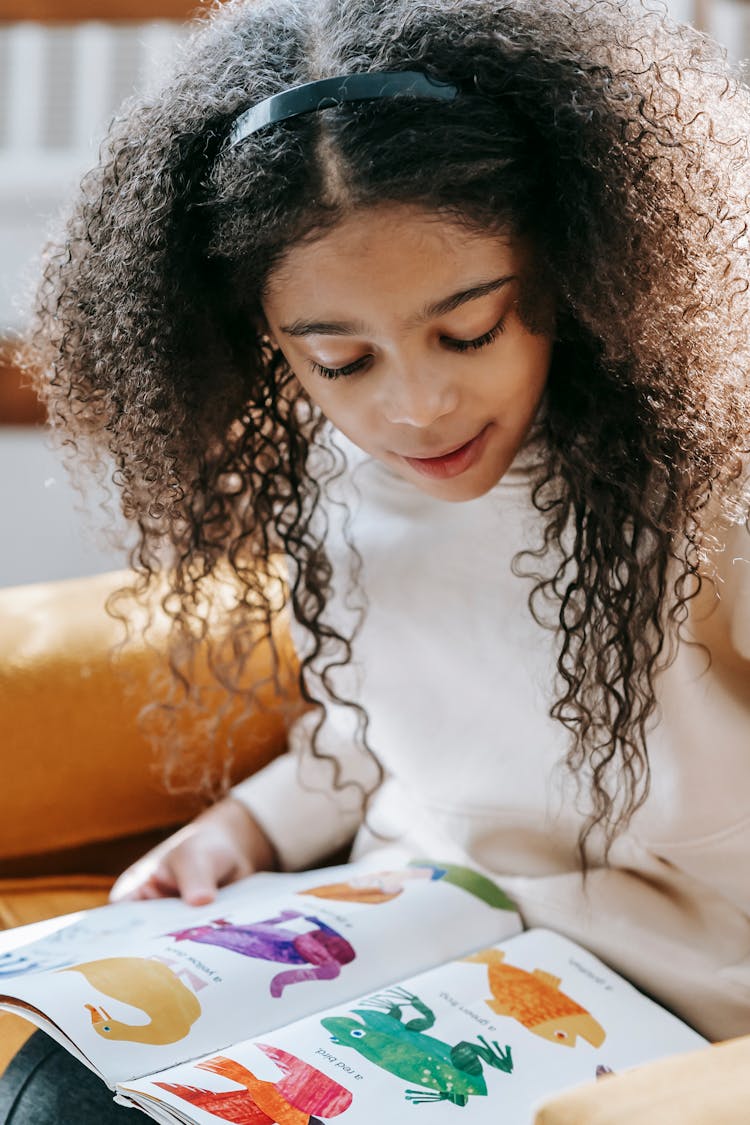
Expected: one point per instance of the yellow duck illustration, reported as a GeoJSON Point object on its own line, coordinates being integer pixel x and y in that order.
{"type": "Point", "coordinates": [142, 983]}
{"type": "Point", "coordinates": [536, 1002]}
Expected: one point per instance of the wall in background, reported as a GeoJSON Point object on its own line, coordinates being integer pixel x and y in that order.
{"type": "Point", "coordinates": [45, 532]}
{"type": "Point", "coordinates": [60, 84]}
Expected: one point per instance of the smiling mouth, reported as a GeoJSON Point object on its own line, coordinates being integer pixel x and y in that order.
{"type": "Point", "coordinates": [438, 456]}
{"type": "Point", "coordinates": [455, 461]}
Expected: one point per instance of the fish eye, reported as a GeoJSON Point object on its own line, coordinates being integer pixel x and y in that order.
{"type": "Point", "coordinates": [357, 1033]}
{"type": "Point", "coordinates": [561, 1035]}
{"type": "Point", "coordinates": [106, 1027]}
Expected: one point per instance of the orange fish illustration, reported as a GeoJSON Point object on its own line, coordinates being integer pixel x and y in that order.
{"type": "Point", "coordinates": [536, 1002]}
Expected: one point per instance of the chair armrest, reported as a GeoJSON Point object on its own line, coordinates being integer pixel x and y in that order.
{"type": "Point", "coordinates": [76, 767]}
{"type": "Point", "coordinates": [700, 1088]}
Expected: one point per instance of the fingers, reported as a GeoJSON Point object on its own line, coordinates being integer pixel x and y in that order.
{"type": "Point", "coordinates": [219, 846]}
{"type": "Point", "coordinates": [192, 864]}
{"type": "Point", "coordinates": [196, 872]}
{"type": "Point", "coordinates": [153, 875]}
{"type": "Point", "coordinates": [140, 882]}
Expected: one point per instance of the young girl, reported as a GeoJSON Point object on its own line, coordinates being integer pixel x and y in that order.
{"type": "Point", "coordinates": [447, 303]}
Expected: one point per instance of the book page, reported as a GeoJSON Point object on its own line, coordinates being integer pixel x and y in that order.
{"type": "Point", "coordinates": [140, 986]}
{"type": "Point", "coordinates": [483, 1038]}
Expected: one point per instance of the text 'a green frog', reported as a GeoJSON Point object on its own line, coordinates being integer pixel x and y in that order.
{"type": "Point", "coordinates": [445, 1073]}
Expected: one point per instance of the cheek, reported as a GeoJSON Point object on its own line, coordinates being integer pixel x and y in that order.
{"type": "Point", "coordinates": [520, 376]}
{"type": "Point", "coordinates": [537, 353]}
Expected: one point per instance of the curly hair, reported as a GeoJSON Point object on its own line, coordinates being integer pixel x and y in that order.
{"type": "Point", "coordinates": [614, 141]}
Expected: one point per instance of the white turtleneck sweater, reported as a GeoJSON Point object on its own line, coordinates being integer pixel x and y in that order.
{"type": "Point", "coordinates": [457, 679]}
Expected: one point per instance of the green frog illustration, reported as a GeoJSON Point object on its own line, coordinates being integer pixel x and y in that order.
{"type": "Point", "coordinates": [445, 1073]}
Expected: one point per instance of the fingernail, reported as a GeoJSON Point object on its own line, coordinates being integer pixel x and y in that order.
{"type": "Point", "coordinates": [199, 898]}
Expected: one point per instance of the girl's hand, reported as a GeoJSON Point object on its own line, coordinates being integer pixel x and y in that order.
{"type": "Point", "coordinates": [221, 845]}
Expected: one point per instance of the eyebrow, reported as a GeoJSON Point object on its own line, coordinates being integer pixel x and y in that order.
{"type": "Point", "coordinates": [436, 308]}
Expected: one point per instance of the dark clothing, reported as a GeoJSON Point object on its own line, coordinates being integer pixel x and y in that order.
{"type": "Point", "coordinates": [45, 1085]}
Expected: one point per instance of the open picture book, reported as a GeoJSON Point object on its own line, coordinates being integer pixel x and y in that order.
{"type": "Point", "coordinates": [359, 993]}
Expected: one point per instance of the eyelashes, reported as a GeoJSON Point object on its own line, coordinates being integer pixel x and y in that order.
{"type": "Point", "coordinates": [453, 345]}
{"type": "Point", "coordinates": [337, 372]}
{"type": "Point", "coordinates": [480, 341]}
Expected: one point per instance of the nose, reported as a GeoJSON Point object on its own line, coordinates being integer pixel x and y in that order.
{"type": "Point", "coordinates": [419, 396]}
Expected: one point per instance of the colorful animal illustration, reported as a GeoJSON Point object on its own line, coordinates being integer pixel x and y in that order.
{"type": "Point", "coordinates": [383, 886]}
{"type": "Point", "coordinates": [536, 1002]}
{"type": "Point", "coordinates": [146, 984]}
{"type": "Point", "coordinates": [372, 887]}
{"type": "Point", "coordinates": [443, 1073]}
{"type": "Point", "coordinates": [473, 882]}
{"type": "Point", "coordinates": [323, 949]}
{"type": "Point", "coordinates": [302, 1092]}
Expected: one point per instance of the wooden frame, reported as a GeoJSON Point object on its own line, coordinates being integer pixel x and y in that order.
{"type": "Point", "coordinates": [19, 405]}
{"type": "Point", "coordinates": [72, 11]}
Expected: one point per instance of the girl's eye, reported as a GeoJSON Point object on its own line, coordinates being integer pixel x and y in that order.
{"type": "Point", "coordinates": [337, 372]}
{"type": "Point", "coordinates": [479, 342]}
{"type": "Point", "coordinates": [455, 345]}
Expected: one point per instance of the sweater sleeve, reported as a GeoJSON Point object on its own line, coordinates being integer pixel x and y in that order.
{"type": "Point", "coordinates": [296, 801]}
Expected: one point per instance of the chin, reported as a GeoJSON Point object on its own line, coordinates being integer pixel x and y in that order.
{"type": "Point", "coordinates": [455, 490]}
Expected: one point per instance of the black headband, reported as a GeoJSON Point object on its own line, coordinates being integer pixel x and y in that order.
{"type": "Point", "coordinates": [329, 92]}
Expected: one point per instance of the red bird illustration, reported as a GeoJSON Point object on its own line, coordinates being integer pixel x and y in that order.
{"type": "Point", "coordinates": [296, 1099]}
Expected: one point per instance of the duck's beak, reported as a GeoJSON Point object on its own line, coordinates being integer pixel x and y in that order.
{"type": "Point", "coordinates": [98, 1015]}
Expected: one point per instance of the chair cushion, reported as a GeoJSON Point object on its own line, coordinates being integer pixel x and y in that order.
{"type": "Point", "coordinates": [31, 900]}
{"type": "Point", "coordinates": [77, 766]}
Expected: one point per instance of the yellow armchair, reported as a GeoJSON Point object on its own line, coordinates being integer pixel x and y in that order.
{"type": "Point", "coordinates": [81, 794]}
{"type": "Point", "coordinates": [81, 791]}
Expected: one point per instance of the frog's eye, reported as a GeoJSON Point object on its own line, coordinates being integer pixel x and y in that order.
{"type": "Point", "coordinates": [357, 1033]}
{"type": "Point", "coordinates": [561, 1034]}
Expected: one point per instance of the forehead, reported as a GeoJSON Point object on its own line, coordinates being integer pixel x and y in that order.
{"type": "Point", "coordinates": [393, 252]}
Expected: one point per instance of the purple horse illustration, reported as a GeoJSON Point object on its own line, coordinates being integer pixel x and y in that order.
{"type": "Point", "coordinates": [322, 948]}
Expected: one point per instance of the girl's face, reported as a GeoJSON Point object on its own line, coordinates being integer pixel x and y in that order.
{"type": "Point", "coordinates": [402, 326]}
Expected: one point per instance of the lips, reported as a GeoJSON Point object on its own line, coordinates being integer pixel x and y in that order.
{"type": "Point", "coordinates": [436, 456]}
{"type": "Point", "coordinates": [457, 460]}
